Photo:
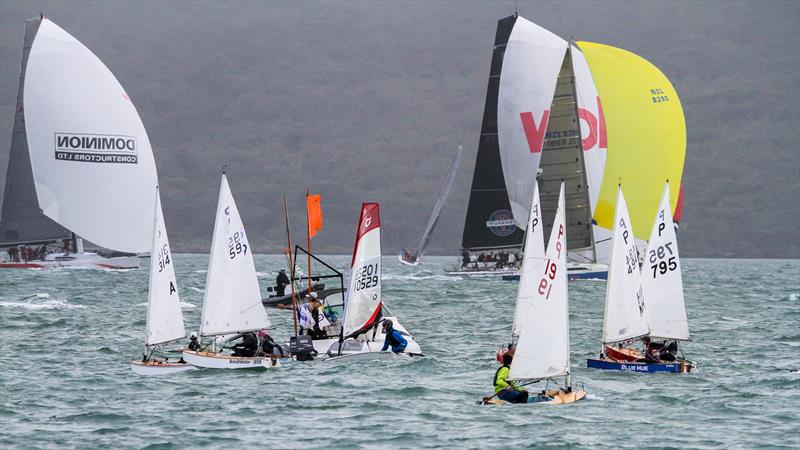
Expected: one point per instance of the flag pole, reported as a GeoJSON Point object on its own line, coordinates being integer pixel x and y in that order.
{"type": "Point", "coordinates": [291, 263]}
{"type": "Point", "coordinates": [308, 242]}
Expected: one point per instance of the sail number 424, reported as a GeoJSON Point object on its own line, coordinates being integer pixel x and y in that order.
{"type": "Point", "coordinates": [658, 264]}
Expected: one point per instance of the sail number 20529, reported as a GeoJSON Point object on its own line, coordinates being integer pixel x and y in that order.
{"type": "Point", "coordinates": [237, 245]}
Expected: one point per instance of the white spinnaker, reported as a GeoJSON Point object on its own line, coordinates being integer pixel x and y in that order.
{"type": "Point", "coordinates": [531, 64]}
{"type": "Point", "coordinates": [533, 262]}
{"type": "Point", "coordinates": [71, 98]}
{"type": "Point", "coordinates": [594, 145]}
{"type": "Point", "coordinates": [625, 317]}
{"type": "Point", "coordinates": [164, 316]}
{"type": "Point", "coordinates": [364, 292]}
{"type": "Point", "coordinates": [543, 348]}
{"type": "Point", "coordinates": [232, 302]}
{"type": "Point", "coordinates": [662, 283]}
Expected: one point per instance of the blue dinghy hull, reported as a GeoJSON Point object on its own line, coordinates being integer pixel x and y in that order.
{"type": "Point", "coordinates": [607, 364]}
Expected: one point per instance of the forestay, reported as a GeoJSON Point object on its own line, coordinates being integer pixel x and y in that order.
{"type": "Point", "coordinates": [624, 312]}
{"type": "Point", "coordinates": [232, 302]}
{"type": "Point", "coordinates": [531, 64]}
{"type": "Point", "coordinates": [662, 283]}
{"type": "Point", "coordinates": [363, 305]}
{"type": "Point", "coordinates": [164, 316]}
{"type": "Point", "coordinates": [91, 157]}
{"type": "Point", "coordinates": [532, 265]}
{"type": "Point", "coordinates": [543, 348]}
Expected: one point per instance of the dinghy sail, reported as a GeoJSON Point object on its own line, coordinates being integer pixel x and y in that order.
{"type": "Point", "coordinates": [363, 306]}
{"type": "Point", "coordinates": [164, 315]}
{"type": "Point", "coordinates": [662, 283]}
{"type": "Point", "coordinates": [416, 257]}
{"type": "Point", "coordinates": [232, 301]}
{"type": "Point", "coordinates": [625, 318]}
{"type": "Point", "coordinates": [543, 348]}
{"type": "Point", "coordinates": [532, 264]}
{"type": "Point", "coordinates": [80, 156]}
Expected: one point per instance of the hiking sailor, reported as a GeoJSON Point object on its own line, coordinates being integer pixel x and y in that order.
{"type": "Point", "coordinates": [393, 338]}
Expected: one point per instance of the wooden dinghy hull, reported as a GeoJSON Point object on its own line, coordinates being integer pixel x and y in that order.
{"type": "Point", "coordinates": [212, 360]}
{"type": "Point", "coordinates": [159, 367]}
{"type": "Point", "coordinates": [551, 397]}
{"type": "Point", "coordinates": [643, 367]}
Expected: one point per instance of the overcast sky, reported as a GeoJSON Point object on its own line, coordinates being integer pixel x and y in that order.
{"type": "Point", "coordinates": [368, 101]}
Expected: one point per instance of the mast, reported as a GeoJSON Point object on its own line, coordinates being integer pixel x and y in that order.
{"type": "Point", "coordinates": [291, 263]}
{"type": "Point", "coordinates": [437, 207]}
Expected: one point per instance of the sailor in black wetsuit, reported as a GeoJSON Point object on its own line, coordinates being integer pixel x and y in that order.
{"type": "Point", "coordinates": [281, 282]}
{"type": "Point", "coordinates": [247, 347]}
{"type": "Point", "coordinates": [194, 344]}
{"type": "Point", "coordinates": [268, 345]}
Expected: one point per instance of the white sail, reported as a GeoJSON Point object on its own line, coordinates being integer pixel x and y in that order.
{"type": "Point", "coordinates": [543, 348]}
{"type": "Point", "coordinates": [625, 317]}
{"type": "Point", "coordinates": [437, 207]}
{"type": "Point", "coordinates": [232, 302]}
{"type": "Point", "coordinates": [531, 65]}
{"type": "Point", "coordinates": [164, 316]}
{"type": "Point", "coordinates": [532, 265]}
{"type": "Point", "coordinates": [662, 283]}
{"type": "Point", "coordinates": [92, 163]}
{"type": "Point", "coordinates": [363, 305]}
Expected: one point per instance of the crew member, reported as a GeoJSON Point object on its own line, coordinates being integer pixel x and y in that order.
{"type": "Point", "coordinates": [281, 282]}
{"type": "Point", "coordinates": [505, 389]}
{"type": "Point", "coordinates": [194, 344]}
{"type": "Point", "coordinates": [248, 346]}
{"type": "Point", "coordinates": [393, 338]}
{"type": "Point", "coordinates": [268, 345]}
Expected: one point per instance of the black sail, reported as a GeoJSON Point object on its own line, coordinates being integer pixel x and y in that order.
{"type": "Point", "coordinates": [22, 221]}
{"type": "Point", "coordinates": [489, 223]}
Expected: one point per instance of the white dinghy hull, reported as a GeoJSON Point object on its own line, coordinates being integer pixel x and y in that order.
{"type": "Point", "coordinates": [77, 260]}
{"type": "Point", "coordinates": [156, 367]}
{"type": "Point", "coordinates": [212, 360]}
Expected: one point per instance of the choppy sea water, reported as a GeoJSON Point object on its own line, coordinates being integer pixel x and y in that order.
{"type": "Point", "coordinates": [68, 335]}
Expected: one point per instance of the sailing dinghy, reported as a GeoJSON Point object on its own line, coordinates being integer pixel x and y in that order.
{"type": "Point", "coordinates": [164, 316]}
{"type": "Point", "coordinates": [415, 258]}
{"type": "Point", "coordinates": [542, 318]}
{"type": "Point", "coordinates": [80, 164]}
{"type": "Point", "coordinates": [362, 337]}
{"type": "Point", "coordinates": [232, 302]}
{"type": "Point", "coordinates": [646, 302]}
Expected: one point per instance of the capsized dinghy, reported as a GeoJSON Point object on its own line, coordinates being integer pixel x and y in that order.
{"type": "Point", "coordinates": [542, 316]}
{"type": "Point", "coordinates": [364, 310]}
{"type": "Point", "coordinates": [232, 302]}
{"type": "Point", "coordinates": [164, 315]}
{"type": "Point", "coordinates": [644, 303]}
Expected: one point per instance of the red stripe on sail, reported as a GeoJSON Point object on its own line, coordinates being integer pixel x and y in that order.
{"type": "Point", "coordinates": [678, 207]}
{"type": "Point", "coordinates": [372, 318]}
{"type": "Point", "coordinates": [369, 220]}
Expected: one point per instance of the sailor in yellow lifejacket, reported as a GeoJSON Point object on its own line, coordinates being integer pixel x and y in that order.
{"type": "Point", "coordinates": [505, 389]}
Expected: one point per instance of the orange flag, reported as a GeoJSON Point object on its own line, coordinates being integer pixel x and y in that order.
{"type": "Point", "coordinates": [314, 214]}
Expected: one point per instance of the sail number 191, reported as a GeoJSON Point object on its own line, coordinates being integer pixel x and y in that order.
{"type": "Point", "coordinates": [551, 268]}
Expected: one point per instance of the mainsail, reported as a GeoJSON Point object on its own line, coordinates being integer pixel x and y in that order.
{"type": "Point", "coordinates": [232, 302]}
{"type": "Point", "coordinates": [490, 223]}
{"type": "Point", "coordinates": [625, 317]}
{"type": "Point", "coordinates": [646, 133]}
{"type": "Point", "coordinates": [437, 208]}
{"type": "Point", "coordinates": [363, 306]}
{"type": "Point", "coordinates": [543, 348]}
{"type": "Point", "coordinates": [662, 283]}
{"type": "Point", "coordinates": [532, 264]}
{"type": "Point", "coordinates": [164, 316]}
{"type": "Point", "coordinates": [90, 156]}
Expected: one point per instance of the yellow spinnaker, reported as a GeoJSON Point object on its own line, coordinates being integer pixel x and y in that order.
{"type": "Point", "coordinates": [646, 134]}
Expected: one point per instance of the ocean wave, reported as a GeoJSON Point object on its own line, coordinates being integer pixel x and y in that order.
{"type": "Point", "coordinates": [33, 304]}
{"type": "Point", "coordinates": [419, 277]}
{"type": "Point", "coordinates": [200, 271]}
{"type": "Point", "coordinates": [196, 289]}
{"type": "Point", "coordinates": [187, 305]}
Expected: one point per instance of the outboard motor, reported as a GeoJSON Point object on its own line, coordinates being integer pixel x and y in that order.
{"type": "Point", "coordinates": [302, 348]}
